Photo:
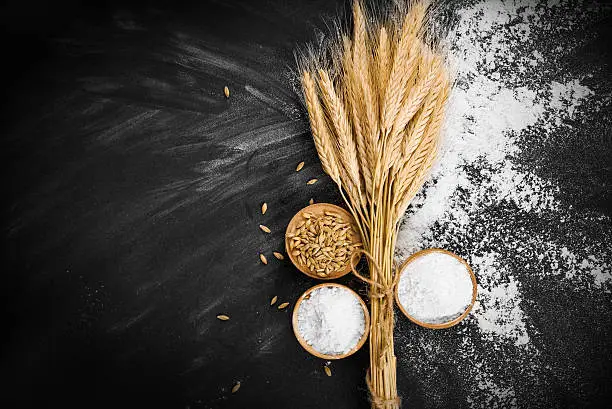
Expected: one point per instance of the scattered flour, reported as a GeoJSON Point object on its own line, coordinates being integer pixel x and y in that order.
{"type": "Point", "coordinates": [480, 187]}
{"type": "Point", "coordinates": [331, 320]}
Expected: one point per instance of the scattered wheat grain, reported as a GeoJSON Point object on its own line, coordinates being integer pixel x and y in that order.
{"type": "Point", "coordinates": [236, 387]}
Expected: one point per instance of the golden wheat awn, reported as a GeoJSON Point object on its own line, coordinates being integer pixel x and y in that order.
{"type": "Point", "coordinates": [376, 99]}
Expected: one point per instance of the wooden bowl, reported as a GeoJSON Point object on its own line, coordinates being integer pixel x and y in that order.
{"type": "Point", "coordinates": [313, 351]}
{"type": "Point", "coordinates": [444, 324]}
{"type": "Point", "coordinates": [319, 209]}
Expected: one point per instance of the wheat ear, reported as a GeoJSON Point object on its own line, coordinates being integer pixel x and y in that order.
{"type": "Point", "coordinates": [320, 132]}
{"type": "Point", "coordinates": [383, 59]}
{"type": "Point", "coordinates": [423, 156]}
{"type": "Point", "coordinates": [355, 105]}
{"type": "Point", "coordinates": [404, 63]}
{"type": "Point", "coordinates": [430, 68]}
{"type": "Point", "coordinates": [337, 115]}
{"type": "Point", "coordinates": [363, 85]}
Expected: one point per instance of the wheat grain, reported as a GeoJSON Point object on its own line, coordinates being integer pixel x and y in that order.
{"type": "Point", "coordinates": [265, 229]}
{"type": "Point", "coordinates": [226, 92]}
{"type": "Point", "coordinates": [236, 387]}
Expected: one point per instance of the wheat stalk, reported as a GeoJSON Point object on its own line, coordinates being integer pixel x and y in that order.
{"type": "Point", "coordinates": [376, 109]}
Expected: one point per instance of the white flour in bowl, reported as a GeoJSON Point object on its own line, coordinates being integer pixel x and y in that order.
{"type": "Point", "coordinates": [331, 321]}
{"type": "Point", "coordinates": [435, 288]}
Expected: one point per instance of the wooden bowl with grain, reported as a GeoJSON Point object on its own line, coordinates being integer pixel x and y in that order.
{"type": "Point", "coordinates": [311, 350]}
{"type": "Point", "coordinates": [320, 240]}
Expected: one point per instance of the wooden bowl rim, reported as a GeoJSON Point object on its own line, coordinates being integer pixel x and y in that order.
{"type": "Point", "coordinates": [444, 324]}
{"type": "Point", "coordinates": [311, 350]}
{"type": "Point", "coordinates": [319, 208]}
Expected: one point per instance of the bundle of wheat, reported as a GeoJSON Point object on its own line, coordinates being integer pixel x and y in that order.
{"type": "Point", "coordinates": [376, 98]}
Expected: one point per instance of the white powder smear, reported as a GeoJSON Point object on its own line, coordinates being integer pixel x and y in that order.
{"type": "Point", "coordinates": [490, 201]}
{"type": "Point", "coordinates": [435, 288]}
{"type": "Point", "coordinates": [331, 320]}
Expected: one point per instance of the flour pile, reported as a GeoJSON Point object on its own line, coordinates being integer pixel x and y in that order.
{"type": "Point", "coordinates": [331, 320]}
{"type": "Point", "coordinates": [488, 200]}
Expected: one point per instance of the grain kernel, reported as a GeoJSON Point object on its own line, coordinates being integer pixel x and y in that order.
{"type": "Point", "coordinates": [236, 387]}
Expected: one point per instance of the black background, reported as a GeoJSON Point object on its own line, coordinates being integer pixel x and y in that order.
{"type": "Point", "coordinates": [132, 190]}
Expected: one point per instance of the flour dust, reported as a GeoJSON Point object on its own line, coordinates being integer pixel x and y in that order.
{"type": "Point", "coordinates": [493, 207]}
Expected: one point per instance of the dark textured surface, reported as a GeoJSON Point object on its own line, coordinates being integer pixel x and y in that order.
{"type": "Point", "coordinates": [132, 194]}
